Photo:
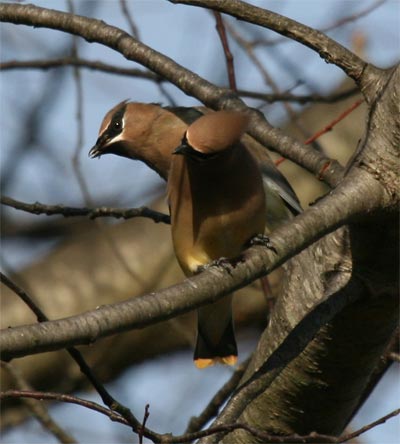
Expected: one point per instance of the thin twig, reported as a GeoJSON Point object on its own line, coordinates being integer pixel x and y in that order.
{"type": "Point", "coordinates": [268, 80]}
{"type": "Point", "coordinates": [225, 45]}
{"type": "Point", "coordinates": [145, 418]}
{"type": "Point", "coordinates": [76, 162]}
{"type": "Point", "coordinates": [79, 118]}
{"type": "Point", "coordinates": [167, 438]}
{"type": "Point", "coordinates": [196, 86]}
{"type": "Point", "coordinates": [37, 408]}
{"type": "Point", "coordinates": [299, 98]}
{"type": "Point", "coordinates": [328, 49]}
{"type": "Point", "coordinates": [91, 213]}
{"type": "Point", "coordinates": [106, 397]}
{"type": "Point", "coordinates": [325, 130]}
{"type": "Point", "coordinates": [352, 435]}
{"type": "Point", "coordinates": [334, 122]}
{"type": "Point", "coordinates": [128, 16]}
{"type": "Point", "coordinates": [335, 25]}
{"type": "Point", "coordinates": [83, 63]}
{"type": "Point", "coordinates": [147, 75]}
{"type": "Point", "coordinates": [212, 408]}
{"type": "Point", "coordinates": [60, 397]}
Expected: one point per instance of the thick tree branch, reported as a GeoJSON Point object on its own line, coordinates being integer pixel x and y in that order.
{"type": "Point", "coordinates": [338, 23]}
{"type": "Point", "coordinates": [328, 49]}
{"type": "Point", "coordinates": [97, 31]}
{"type": "Point", "coordinates": [362, 262]}
{"type": "Point", "coordinates": [327, 215]}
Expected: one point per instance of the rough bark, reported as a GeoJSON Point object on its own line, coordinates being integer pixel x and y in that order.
{"type": "Point", "coordinates": [321, 387]}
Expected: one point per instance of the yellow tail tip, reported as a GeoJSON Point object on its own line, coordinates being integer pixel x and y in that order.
{"type": "Point", "coordinates": [229, 360]}
{"type": "Point", "coordinates": [208, 362]}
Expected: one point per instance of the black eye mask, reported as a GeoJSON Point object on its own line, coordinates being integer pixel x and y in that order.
{"type": "Point", "coordinates": [117, 124]}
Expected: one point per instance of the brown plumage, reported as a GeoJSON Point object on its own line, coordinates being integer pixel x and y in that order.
{"type": "Point", "coordinates": [150, 133]}
{"type": "Point", "coordinates": [217, 205]}
{"type": "Point", "coordinates": [140, 131]}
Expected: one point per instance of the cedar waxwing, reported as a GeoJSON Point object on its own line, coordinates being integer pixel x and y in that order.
{"type": "Point", "coordinates": [217, 205]}
{"type": "Point", "coordinates": [149, 132]}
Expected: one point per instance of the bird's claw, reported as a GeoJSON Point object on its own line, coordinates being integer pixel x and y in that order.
{"type": "Point", "coordinates": [221, 262]}
{"type": "Point", "coordinates": [263, 241]}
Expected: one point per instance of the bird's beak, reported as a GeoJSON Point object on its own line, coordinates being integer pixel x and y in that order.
{"type": "Point", "coordinates": [95, 152]}
{"type": "Point", "coordinates": [99, 149]}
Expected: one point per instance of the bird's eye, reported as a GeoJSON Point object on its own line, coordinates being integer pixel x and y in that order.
{"type": "Point", "coordinates": [117, 124]}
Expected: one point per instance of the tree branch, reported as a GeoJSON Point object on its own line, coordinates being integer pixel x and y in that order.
{"type": "Point", "coordinates": [79, 62]}
{"type": "Point", "coordinates": [328, 214]}
{"type": "Point", "coordinates": [148, 75]}
{"type": "Point", "coordinates": [335, 25]}
{"type": "Point", "coordinates": [36, 408]}
{"type": "Point", "coordinates": [228, 55]}
{"type": "Point", "coordinates": [191, 84]}
{"type": "Point", "coordinates": [198, 422]}
{"type": "Point", "coordinates": [91, 213]}
{"type": "Point", "coordinates": [328, 49]}
{"type": "Point", "coordinates": [76, 355]}
{"type": "Point", "coordinates": [60, 397]}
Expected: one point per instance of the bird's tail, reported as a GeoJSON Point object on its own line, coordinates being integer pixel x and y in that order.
{"type": "Point", "coordinates": [215, 335]}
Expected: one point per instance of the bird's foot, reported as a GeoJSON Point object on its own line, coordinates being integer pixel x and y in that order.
{"type": "Point", "coordinates": [263, 241]}
{"type": "Point", "coordinates": [221, 262]}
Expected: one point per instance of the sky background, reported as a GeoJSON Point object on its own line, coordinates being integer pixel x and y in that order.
{"type": "Point", "coordinates": [187, 35]}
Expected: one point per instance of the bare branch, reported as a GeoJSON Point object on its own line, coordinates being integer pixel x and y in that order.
{"type": "Point", "coordinates": [83, 63]}
{"type": "Point", "coordinates": [228, 55]}
{"type": "Point", "coordinates": [64, 398]}
{"type": "Point", "coordinates": [37, 408]}
{"type": "Point", "coordinates": [212, 408]}
{"type": "Point", "coordinates": [187, 81]}
{"type": "Point", "coordinates": [328, 49]}
{"type": "Point", "coordinates": [343, 21]}
{"type": "Point", "coordinates": [147, 75]}
{"type": "Point", "coordinates": [334, 122]}
{"type": "Point", "coordinates": [143, 426]}
{"type": "Point", "coordinates": [268, 80]}
{"type": "Point", "coordinates": [167, 438]}
{"type": "Point", "coordinates": [91, 213]}
{"type": "Point", "coordinates": [132, 24]}
{"type": "Point", "coordinates": [76, 355]}
{"type": "Point", "coordinates": [138, 312]}
{"type": "Point", "coordinates": [349, 436]}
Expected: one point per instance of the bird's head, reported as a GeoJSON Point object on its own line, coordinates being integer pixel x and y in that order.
{"type": "Point", "coordinates": [126, 129]}
{"type": "Point", "coordinates": [141, 131]}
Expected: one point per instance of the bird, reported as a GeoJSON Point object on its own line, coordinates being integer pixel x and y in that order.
{"type": "Point", "coordinates": [217, 206]}
{"type": "Point", "coordinates": [149, 132]}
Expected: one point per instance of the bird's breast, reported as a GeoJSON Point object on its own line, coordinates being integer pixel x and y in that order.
{"type": "Point", "coordinates": [213, 213]}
